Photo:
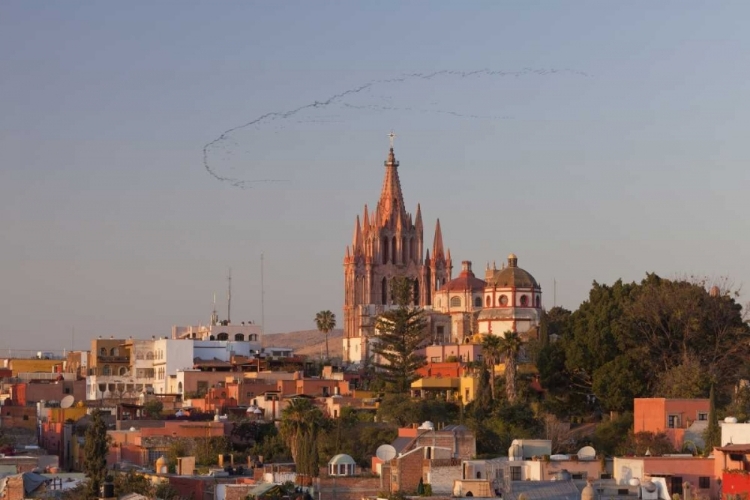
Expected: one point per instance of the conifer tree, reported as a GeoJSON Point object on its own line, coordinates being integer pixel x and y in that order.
{"type": "Point", "coordinates": [712, 435]}
{"type": "Point", "coordinates": [399, 333]}
{"type": "Point", "coordinates": [96, 448]}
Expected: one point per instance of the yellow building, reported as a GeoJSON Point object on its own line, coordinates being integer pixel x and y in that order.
{"type": "Point", "coordinates": [35, 365]}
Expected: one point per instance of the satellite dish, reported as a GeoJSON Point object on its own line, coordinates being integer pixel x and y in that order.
{"type": "Point", "coordinates": [385, 452]}
{"type": "Point", "coordinates": [67, 401]}
{"type": "Point", "coordinates": [586, 453]}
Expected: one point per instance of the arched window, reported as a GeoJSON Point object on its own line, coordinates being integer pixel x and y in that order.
{"type": "Point", "coordinates": [239, 336]}
{"type": "Point", "coordinates": [123, 370]}
{"type": "Point", "coordinates": [488, 302]}
{"type": "Point", "coordinates": [103, 351]}
{"type": "Point", "coordinates": [393, 250]}
{"type": "Point", "coordinates": [384, 250]}
{"type": "Point", "coordinates": [477, 301]}
{"type": "Point", "coordinates": [503, 300]}
{"type": "Point", "coordinates": [106, 370]}
{"type": "Point", "coordinates": [139, 355]}
{"type": "Point", "coordinates": [524, 300]}
{"type": "Point", "coordinates": [455, 301]}
{"type": "Point", "coordinates": [149, 355]}
{"type": "Point", "coordinates": [114, 352]}
{"type": "Point", "coordinates": [179, 386]}
{"type": "Point", "coordinates": [404, 251]}
{"type": "Point", "coordinates": [222, 336]}
{"type": "Point", "coordinates": [428, 287]}
{"type": "Point", "coordinates": [384, 292]}
{"type": "Point", "coordinates": [538, 301]}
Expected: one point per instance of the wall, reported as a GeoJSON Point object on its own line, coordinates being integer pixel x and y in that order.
{"type": "Point", "coordinates": [651, 415]}
{"type": "Point", "coordinates": [441, 478]}
{"type": "Point", "coordinates": [733, 483]}
{"type": "Point", "coordinates": [348, 488]}
{"type": "Point", "coordinates": [18, 416]}
{"type": "Point", "coordinates": [735, 433]}
{"type": "Point", "coordinates": [406, 471]}
{"type": "Point", "coordinates": [34, 365]}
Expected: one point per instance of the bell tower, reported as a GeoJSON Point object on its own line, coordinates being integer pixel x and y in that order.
{"type": "Point", "coordinates": [386, 244]}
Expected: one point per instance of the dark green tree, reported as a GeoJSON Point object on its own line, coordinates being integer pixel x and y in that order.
{"type": "Point", "coordinates": [132, 482]}
{"type": "Point", "coordinates": [398, 409]}
{"type": "Point", "coordinates": [510, 347]}
{"type": "Point", "coordinates": [688, 380]}
{"type": "Point", "coordinates": [301, 423]}
{"type": "Point", "coordinates": [712, 434]}
{"type": "Point", "coordinates": [616, 383]}
{"type": "Point", "coordinates": [492, 352]}
{"type": "Point", "coordinates": [95, 451]}
{"type": "Point", "coordinates": [400, 332]}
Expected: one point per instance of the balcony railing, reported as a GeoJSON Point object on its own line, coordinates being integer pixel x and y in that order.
{"type": "Point", "coordinates": [113, 359]}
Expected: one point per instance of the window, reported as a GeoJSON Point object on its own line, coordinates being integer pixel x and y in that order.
{"type": "Point", "coordinates": [478, 302]}
{"type": "Point", "coordinates": [704, 482]}
{"type": "Point", "coordinates": [702, 415]}
{"type": "Point", "coordinates": [538, 301]}
{"type": "Point", "coordinates": [123, 370]}
{"type": "Point", "coordinates": [103, 351]}
{"type": "Point", "coordinates": [222, 336]}
{"type": "Point", "coordinates": [488, 302]}
{"type": "Point", "coordinates": [524, 300]}
{"type": "Point", "coordinates": [515, 473]}
{"type": "Point", "coordinates": [673, 421]}
{"type": "Point", "coordinates": [115, 351]}
{"type": "Point", "coordinates": [239, 336]}
{"type": "Point", "coordinates": [149, 355]}
{"type": "Point", "coordinates": [455, 301]}
{"type": "Point", "coordinates": [106, 370]}
{"type": "Point", "coordinates": [676, 485]}
{"type": "Point", "coordinates": [503, 301]}
{"type": "Point", "coordinates": [179, 386]}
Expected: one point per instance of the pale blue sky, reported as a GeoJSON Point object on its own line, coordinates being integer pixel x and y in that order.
{"type": "Point", "coordinates": [111, 224]}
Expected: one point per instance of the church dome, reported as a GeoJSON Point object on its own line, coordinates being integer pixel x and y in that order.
{"type": "Point", "coordinates": [512, 276]}
{"type": "Point", "coordinates": [465, 281]}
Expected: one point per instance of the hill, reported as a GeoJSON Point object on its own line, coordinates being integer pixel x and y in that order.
{"type": "Point", "coordinates": [308, 342]}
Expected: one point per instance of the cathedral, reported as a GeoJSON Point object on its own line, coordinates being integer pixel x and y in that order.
{"type": "Point", "coordinates": [388, 243]}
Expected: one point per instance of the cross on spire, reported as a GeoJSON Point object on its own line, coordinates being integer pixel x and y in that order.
{"type": "Point", "coordinates": [391, 136]}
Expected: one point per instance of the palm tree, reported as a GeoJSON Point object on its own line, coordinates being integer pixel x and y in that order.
{"type": "Point", "coordinates": [325, 321]}
{"type": "Point", "coordinates": [510, 346]}
{"type": "Point", "coordinates": [300, 424]}
{"type": "Point", "coordinates": [492, 353]}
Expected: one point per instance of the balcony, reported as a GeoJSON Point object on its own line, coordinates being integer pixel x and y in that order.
{"type": "Point", "coordinates": [112, 359]}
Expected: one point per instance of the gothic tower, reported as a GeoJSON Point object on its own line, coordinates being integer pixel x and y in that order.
{"type": "Point", "coordinates": [387, 244]}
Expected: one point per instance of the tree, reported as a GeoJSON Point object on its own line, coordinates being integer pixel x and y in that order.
{"type": "Point", "coordinates": [153, 408]}
{"type": "Point", "coordinates": [712, 434]}
{"type": "Point", "coordinates": [400, 332]}
{"type": "Point", "coordinates": [132, 482]}
{"type": "Point", "coordinates": [301, 422]}
{"type": "Point", "coordinates": [95, 450]}
{"type": "Point", "coordinates": [325, 321]}
{"type": "Point", "coordinates": [687, 380]}
{"type": "Point", "coordinates": [616, 383]}
{"type": "Point", "coordinates": [510, 346]}
{"type": "Point", "coordinates": [491, 351]}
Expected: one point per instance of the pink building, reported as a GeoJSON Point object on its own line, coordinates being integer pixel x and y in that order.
{"type": "Point", "coordinates": [679, 419]}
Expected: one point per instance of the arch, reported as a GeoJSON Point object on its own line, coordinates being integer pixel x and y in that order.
{"type": "Point", "coordinates": [384, 250]}
{"type": "Point", "coordinates": [479, 475]}
{"type": "Point", "coordinates": [538, 302]}
{"type": "Point", "coordinates": [393, 250]}
{"type": "Point", "coordinates": [488, 302]}
{"type": "Point", "coordinates": [404, 250]}
{"type": "Point", "coordinates": [123, 371]}
{"type": "Point", "coordinates": [239, 336]}
{"type": "Point", "coordinates": [222, 336]}
{"type": "Point", "coordinates": [106, 370]}
{"type": "Point", "coordinates": [114, 352]}
{"type": "Point", "coordinates": [477, 301]}
{"type": "Point", "coordinates": [211, 337]}
{"type": "Point", "coordinates": [179, 386]}
{"type": "Point", "coordinates": [103, 351]}
{"type": "Point", "coordinates": [455, 301]}
{"type": "Point", "coordinates": [149, 355]}
{"type": "Point", "coordinates": [416, 292]}
{"type": "Point", "coordinates": [384, 291]}
{"type": "Point", "coordinates": [524, 300]}
{"type": "Point", "coordinates": [428, 287]}
{"type": "Point", "coordinates": [139, 355]}
{"type": "Point", "coordinates": [503, 300]}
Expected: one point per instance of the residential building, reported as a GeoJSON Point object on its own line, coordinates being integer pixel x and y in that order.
{"type": "Point", "coordinates": [682, 420]}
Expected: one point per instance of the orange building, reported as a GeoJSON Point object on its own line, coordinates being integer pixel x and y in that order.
{"type": "Point", "coordinates": [679, 419]}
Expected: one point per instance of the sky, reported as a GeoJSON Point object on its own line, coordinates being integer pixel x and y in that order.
{"type": "Point", "coordinates": [596, 140]}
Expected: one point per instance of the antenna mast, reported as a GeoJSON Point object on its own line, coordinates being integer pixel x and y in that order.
{"type": "Point", "coordinates": [554, 293]}
{"type": "Point", "coordinates": [262, 299]}
{"type": "Point", "coordinates": [229, 296]}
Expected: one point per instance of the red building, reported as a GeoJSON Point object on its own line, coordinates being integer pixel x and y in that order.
{"type": "Point", "coordinates": [674, 417]}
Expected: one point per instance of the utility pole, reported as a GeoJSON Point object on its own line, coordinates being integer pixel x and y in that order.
{"type": "Point", "coordinates": [229, 296]}
{"type": "Point", "coordinates": [262, 299]}
{"type": "Point", "coordinates": [554, 293]}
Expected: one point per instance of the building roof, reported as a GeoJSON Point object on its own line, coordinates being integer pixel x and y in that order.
{"type": "Point", "coordinates": [342, 459]}
{"type": "Point", "coordinates": [465, 281]}
{"type": "Point", "coordinates": [543, 490]}
{"type": "Point", "coordinates": [512, 276]}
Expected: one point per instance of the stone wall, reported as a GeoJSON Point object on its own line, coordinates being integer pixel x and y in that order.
{"type": "Point", "coordinates": [441, 477]}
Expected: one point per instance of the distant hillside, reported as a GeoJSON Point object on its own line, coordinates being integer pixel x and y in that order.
{"type": "Point", "coordinates": [308, 342]}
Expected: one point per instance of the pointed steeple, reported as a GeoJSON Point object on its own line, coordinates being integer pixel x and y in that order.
{"type": "Point", "coordinates": [448, 255]}
{"type": "Point", "coordinates": [418, 218]}
{"type": "Point", "coordinates": [357, 239]}
{"type": "Point", "coordinates": [427, 257]}
{"type": "Point", "coordinates": [365, 222]}
{"type": "Point", "coordinates": [391, 198]}
{"type": "Point", "coordinates": [437, 245]}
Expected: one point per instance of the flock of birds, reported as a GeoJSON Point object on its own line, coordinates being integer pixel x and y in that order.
{"type": "Point", "coordinates": [339, 99]}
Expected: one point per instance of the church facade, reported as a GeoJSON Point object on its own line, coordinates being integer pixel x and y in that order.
{"type": "Point", "coordinates": [388, 243]}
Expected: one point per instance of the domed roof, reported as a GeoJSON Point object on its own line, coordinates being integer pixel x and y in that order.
{"type": "Point", "coordinates": [465, 281]}
{"type": "Point", "coordinates": [588, 492]}
{"type": "Point", "coordinates": [512, 276]}
{"type": "Point", "coordinates": [342, 459]}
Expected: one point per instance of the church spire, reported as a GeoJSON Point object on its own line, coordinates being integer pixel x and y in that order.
{"type": "Point", "coordinates": [357, 239]}
{"type": "Point", "coordinates": [391, 201]}
{"type": "Point", "coordinates": [437, 245]}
